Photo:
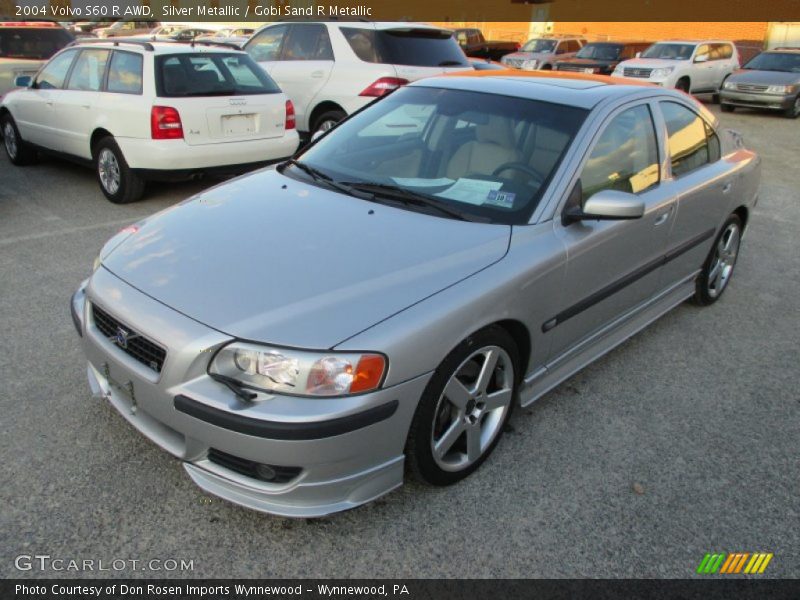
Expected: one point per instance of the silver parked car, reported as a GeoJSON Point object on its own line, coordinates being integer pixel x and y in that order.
{"type": "Point", "coordinates": [300, 336]}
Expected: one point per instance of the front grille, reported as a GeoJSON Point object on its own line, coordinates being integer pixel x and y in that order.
{"type": "Point", "coordinates": [514, 62]}
{"type": "Point", "coordinates": [250, 468]}
{"type": "Point", "coordinates": [750, 87]}
{"type": "Point", "coordinates": [634, 72]}
{"type": "Point", "coordinates": [128, 340]}
{"type": "Point", "coordinates": [569, 67]}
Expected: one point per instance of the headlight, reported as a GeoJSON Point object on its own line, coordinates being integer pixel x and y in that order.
{"type": "Point", "coordinates": [617, 72]}
{"type": "Point", "coordinates": [729, 85]}
{"type": "Point", "coordinates": [780, 89]}
{"type": "Point", "coordinates": [530, 64]}
{"type": "Point", "coordinates": [589, 70]}
{"type": "Point", "coordinates": [299, 372]}
{"type": "Point", "coordinates": [662, 72]}
{"type": "Point", "coordinates": [96, 263]}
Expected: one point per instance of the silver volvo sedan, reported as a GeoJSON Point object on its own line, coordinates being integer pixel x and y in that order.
{"type": "Point", "coordinates": [299, 337]}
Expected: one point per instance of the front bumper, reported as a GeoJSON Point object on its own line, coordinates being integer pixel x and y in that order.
{"type": "Point", "coordinates": [340, 452]}
{"type": "Point", "coordinates": [757, 100]}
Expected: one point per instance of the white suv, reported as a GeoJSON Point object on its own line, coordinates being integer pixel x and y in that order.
{"type": "Point", "coordinates": [332, 69]}
{"type": "Point", "coordinates": [695, 67]}
{"type": "Point", "coordinates": [140, 110]}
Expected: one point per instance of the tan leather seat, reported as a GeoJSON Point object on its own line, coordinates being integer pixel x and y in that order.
{"type": "Point", "coordinates": [492, 147]}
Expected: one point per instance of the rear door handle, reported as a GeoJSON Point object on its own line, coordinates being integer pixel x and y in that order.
{"type": "Point", "coordinates": [726, 188]}
{"type": "Point", "coordinates": [86, 106]}
{"type": "Point", "coordinates": [317, 74]}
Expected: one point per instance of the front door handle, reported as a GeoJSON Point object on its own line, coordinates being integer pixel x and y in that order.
{"type": "Point", "coordinates": [317, 74]}
{"type": "Point", "coordinates": [726, 188]}
{"type": "Point", "coordinates": [86, 106]}
{"type": "Point", "coordinates": [663, 218]}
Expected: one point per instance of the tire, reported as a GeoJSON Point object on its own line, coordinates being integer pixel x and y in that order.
{"type": "Point", "coordinates": [793, 111]}
{"type": "Point", "coordinates": [468, 420]}
{"type": "Point", "coordinates": [117, 181]}
{"type": "Point", "coordinates": [718, 267]}
{"type": "Point", "coordinates": [682, 85]}
{"type": "Point", "coordinates": [18, 151]}
{"type": "Point", "coordinates": [546, 68]}
{"type": "Point", "coordinates": [328, 120]}
{"type": "Point", "coordinates": [728, 108]}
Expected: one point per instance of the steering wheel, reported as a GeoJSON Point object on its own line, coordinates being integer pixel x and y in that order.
{"type": "Point", "coordinates": [519, 166]}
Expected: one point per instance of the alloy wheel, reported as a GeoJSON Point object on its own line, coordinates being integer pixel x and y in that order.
{"type": "Point", "coordinates": [327, 125]}
{"type": "Point", "coordinates": [108, 171]}
{"type": "Point", "coordinates": [472, 408]}
{"type": "Point", "coordinates": [10, 138]}
{"type": "Point", "coordinates": [724, 260]}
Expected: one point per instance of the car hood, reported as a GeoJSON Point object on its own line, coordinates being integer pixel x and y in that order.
{"type": "Point", "coordinates": [652, 63]}
{"type": "Point", "coordinates": [267, 258]}
{"type": "Point", "coordinates": [764, 77]}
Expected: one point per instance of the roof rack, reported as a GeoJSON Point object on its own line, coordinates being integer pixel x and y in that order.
{"type": "Point", "coordinates": [221, 43]}
{"type": "Point", "coordinates": [115, 41]}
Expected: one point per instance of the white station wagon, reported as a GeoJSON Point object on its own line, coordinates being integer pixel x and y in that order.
{"type": "Point", "coordinates": [141, 111]}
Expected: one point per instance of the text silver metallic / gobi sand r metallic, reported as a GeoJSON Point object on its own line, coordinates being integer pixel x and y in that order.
{"type": "Point", "coordinates": [301, 336]}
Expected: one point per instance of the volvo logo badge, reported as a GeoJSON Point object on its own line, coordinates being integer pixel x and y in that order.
{"type": "Point", "coordinates": [121, 338]}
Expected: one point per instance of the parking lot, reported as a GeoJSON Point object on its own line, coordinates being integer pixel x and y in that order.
{"type": "Point", "coordinates": [682, 441]}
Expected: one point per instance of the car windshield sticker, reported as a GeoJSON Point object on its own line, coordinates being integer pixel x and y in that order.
{"type": "Point", "coordinates": [471, 191]}
{"type": "Point", "coordinates": [504, 199]}
{"type": "Point", "coordinates": [419, 182]}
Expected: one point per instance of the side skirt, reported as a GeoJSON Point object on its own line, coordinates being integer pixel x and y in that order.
{"type": "Point", "coordinates": [538, 383]}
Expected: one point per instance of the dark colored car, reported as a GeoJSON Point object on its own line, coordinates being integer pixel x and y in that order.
{"type": "Point", "coordinates": [601, 57]}
{"type": "Point", "coordinates": [475, 45]}
{"type": "Point", "coordinates": [27, 45]}
{"type": "Point", "coordinates": [771, 81]}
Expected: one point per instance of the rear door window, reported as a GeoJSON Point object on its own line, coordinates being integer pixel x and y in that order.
{"type": "Point", "coordinates": [307, 42]}
{"type": "Point", "coordinates": [218, 74]}
{"type": "Point", "coordinates": [415, 47]}
{"type": "Point", "coordinates": [89, 70]}
{"type": "Point", "coordinates": [125, 73]}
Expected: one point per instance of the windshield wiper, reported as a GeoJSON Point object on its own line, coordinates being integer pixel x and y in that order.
{"type": "Point", "coordinates": [415, 198]}
{"type": "Point", "coordinates": [325, 179]}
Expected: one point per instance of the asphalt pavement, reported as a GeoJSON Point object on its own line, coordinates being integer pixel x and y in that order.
{"type": "Point", "coordinates": [682, 441]}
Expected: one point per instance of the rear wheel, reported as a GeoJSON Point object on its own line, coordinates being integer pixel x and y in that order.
{"type": "Point", "coordinates": [727, 107]}
{"type": "Point", "coordinates": [718, 268]}
{"type": "Point", "coordinates": [328, 120]}
{"type": "Point", "coordinates": [464, 408]}
{"type": "Point", "coordinates": [117, 181]}
{"type": "Point", "coordinates": [793, 111]}
{"type": "Point", "coordinates": [19, 152]}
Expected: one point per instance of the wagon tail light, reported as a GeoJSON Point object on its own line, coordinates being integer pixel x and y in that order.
{"type": "Point", "coordinates": [291, 122]}
{"type": "Point", "coordinates": [383, 86]}
{"type": "Point", "coordinates": [165, 123]}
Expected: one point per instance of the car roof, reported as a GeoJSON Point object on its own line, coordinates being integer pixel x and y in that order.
{"type": "Point", "coordinates": [694, 42]}
{"type": "Point", "coordinates": [560, 87]}
{"type": "Point", "coordinates": [157, 47]}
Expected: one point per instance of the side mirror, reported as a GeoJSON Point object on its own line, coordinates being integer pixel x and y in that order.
{"type": "Point", "coordinates": [638, 54]}
{"type": "Point", "coordinates": [23, 81]}
{"type": "Point", "coordinates": [607, 205]}
{"type": "Point", "coordinates": [701, 59]}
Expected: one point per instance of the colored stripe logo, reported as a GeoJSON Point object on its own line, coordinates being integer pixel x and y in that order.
{"type": "Point", "coordinates": [744, 563]}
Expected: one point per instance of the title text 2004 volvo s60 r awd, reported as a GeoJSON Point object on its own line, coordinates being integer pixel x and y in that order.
{"type": "Point", "coordinates": [297, 336]}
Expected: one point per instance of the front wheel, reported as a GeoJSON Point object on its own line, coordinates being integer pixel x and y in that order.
{"type": "Point", "coordinates": [793, 111]}
{"type": "Point", "coordinates": [117, 181]}
{"type": "Point", "coordinates": [682, 85]}
{"type": "Point", "coordinates": [464, 408]}
{"type": "Point", "coordinates": [19, 153]}
{"type": "Point", "coordinates": [720, 263]}
{"type": "Point", "coordinates": [728, 108]}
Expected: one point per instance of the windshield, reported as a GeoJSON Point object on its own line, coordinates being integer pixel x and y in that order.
{"type": "Point", "coordinates": [539, 46]}
{"type": "Point", "coordinates": [414, 47]}
{"type": "Point", "coordinates": [669, 51]}
{"type": "Point", "coordinates": [217, 74]}
{"type": "Point", "coordinates": [775, 61]}
{"type": "Point", "coordinates": [36, 43]}
{"type": "Point", "coordinates": [487, 156]}
{"type": "Point", "coordinates": [600, 51]}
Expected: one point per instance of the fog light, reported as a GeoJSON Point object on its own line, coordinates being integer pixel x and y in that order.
{"type": "Point", "coordinates": [265, 472]}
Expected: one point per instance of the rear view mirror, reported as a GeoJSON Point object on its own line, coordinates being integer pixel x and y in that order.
{"type": "Point", "coordinates": [22, 81]}
{"type": "Point", "coordinates": [702, 58]}
{"type": "Point", "coordinates": [638, 54]}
